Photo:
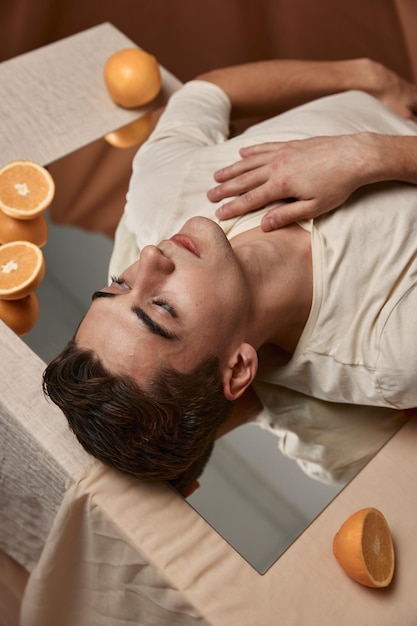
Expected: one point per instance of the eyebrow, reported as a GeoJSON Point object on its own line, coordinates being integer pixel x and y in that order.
{"type": "Point", "coordinates": [153, 326]}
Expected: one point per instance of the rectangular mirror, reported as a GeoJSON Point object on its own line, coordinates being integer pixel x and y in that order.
{"type": "Point", "coordinates": [258, 500]}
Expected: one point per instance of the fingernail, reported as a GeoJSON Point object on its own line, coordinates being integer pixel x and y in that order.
{"type": "Point", "coordinates": [270, 223]}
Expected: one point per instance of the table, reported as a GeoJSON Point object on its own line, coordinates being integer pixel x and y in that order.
{"type": "Point", "coordinates": [69, 105]}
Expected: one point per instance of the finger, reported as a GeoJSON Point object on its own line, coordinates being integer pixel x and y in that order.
{"type": "Point", "coordinates": [239, 185]}
{"type": "Point", "coordinates": [247, 202]}
{"type": "Point", "coordinates": [287, 213]}
{"type": "Point", "coordinates": [261, 148]}
{"type": "Point", "coordinates": [238, 168]}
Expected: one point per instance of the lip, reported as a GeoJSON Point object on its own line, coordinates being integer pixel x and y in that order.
{"type": "Point", "coordinates": [186, 242]}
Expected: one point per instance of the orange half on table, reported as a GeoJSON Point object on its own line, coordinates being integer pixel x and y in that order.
{"type": "Point", "coordinates": [22, 268]}
{"type": "Point", "coordinates": [363, 547]}
{"type": "Point", "coordinates": [26, 189]}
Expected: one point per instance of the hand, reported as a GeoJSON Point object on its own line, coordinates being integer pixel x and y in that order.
{"type": "Point", "coordinates": [395, 92]}
{"type": "Point", "coordinates": [316, 174]}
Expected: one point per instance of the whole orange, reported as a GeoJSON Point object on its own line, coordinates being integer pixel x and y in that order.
{"type": "Point", "coordinates": [132, 77]}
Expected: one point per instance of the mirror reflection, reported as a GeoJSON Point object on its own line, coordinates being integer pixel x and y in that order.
{"type": "Point", "coordinates": [257, 499]}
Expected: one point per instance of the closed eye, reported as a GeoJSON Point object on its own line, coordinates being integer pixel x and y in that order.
{"type": "Point", "coordinates": [117, 280]}
{"type": "Point", "coordinates": [153, 326]}
{"type": "Point", "coordinates": [165, 305]}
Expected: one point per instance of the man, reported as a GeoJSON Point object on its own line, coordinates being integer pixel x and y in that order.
{"type": "Point", "coordinates": [171, 346]}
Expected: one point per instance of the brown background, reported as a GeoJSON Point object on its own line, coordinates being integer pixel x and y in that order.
{"type": "Point", "coordinates": [191, 36]}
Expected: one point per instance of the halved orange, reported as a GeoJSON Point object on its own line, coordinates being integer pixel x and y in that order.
{"type": "Point", "coordinates": [26, 189]}
{"type": "Point", "coordinates": [364, 549]}
{"type": "Point", "coordinates": [20, 315]}
{"type": "Point", "coordinates": [132, 77]}
{"type": "Point", "coordinates": [132, 134]}
{"type": "Point", "coordinates": [22, 268]}
{"type": "Point", "coordinates": [34, 230]}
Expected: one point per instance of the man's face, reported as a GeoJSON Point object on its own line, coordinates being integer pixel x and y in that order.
{"type": "Point", "coordinates": [181, 301]}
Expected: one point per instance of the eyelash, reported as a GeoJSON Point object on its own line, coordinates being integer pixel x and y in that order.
{"type": "Point", "coordinates": [164, 304]}
{"type": "Point", "coordinates": [117, 280]}
{"type": "Point", "coordinates": [157, 301]}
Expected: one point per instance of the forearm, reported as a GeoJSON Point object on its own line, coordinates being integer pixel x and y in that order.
{"type": "Point", "coordinates": [268, 87]}
{"type": "Point", "coordinates": [390, 158]}
{"type": "Point", "coordinates": [361, 159]}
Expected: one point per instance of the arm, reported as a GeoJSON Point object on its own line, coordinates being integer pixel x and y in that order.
{"type": "Point", "coordinates": [269, 87]}
{"type": "Point", "coordinates": [269, 173]}
{"type": "Point", "coordinates": [302, 170]}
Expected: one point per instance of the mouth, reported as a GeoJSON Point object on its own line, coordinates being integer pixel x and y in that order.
{"type": "Point", "coordinates": [186, 242]}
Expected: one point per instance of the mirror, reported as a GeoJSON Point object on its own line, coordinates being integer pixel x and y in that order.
{"type": "Point", "coordinates": [257, 500]}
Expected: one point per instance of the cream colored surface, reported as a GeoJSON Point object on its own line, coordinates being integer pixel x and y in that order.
{"type": "Point", "coordinates": [13, 579]}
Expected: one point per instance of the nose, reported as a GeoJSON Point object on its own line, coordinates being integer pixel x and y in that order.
{"type": "Point", "coordinates": [152, 258]}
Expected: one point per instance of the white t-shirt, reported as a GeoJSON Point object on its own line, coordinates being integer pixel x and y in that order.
{"type": "Point", "coordinates": [358, 333]}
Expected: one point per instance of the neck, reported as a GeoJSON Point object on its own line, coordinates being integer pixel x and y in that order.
{"type": "Point", "coordinates": [278, 271]}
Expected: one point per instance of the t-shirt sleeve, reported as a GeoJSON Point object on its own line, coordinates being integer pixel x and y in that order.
{"type": "Point", "coordinates": [196, 116]}
{"type": "Point", "coordinates": [198, 113]}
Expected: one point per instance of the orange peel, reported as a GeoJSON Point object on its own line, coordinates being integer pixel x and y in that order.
{"type": "Point", "coordinates": [364, 548]}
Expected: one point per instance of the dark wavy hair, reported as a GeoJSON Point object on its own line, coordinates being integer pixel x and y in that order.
{"type": "Point", "coordinates": [165, 432]}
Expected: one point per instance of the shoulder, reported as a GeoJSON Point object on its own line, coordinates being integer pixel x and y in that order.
{"type": "Point", "coordinates": [199, 113]}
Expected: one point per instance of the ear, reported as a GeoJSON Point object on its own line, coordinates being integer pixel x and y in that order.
{"type": "Point", "coordinates": [239, 371]}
